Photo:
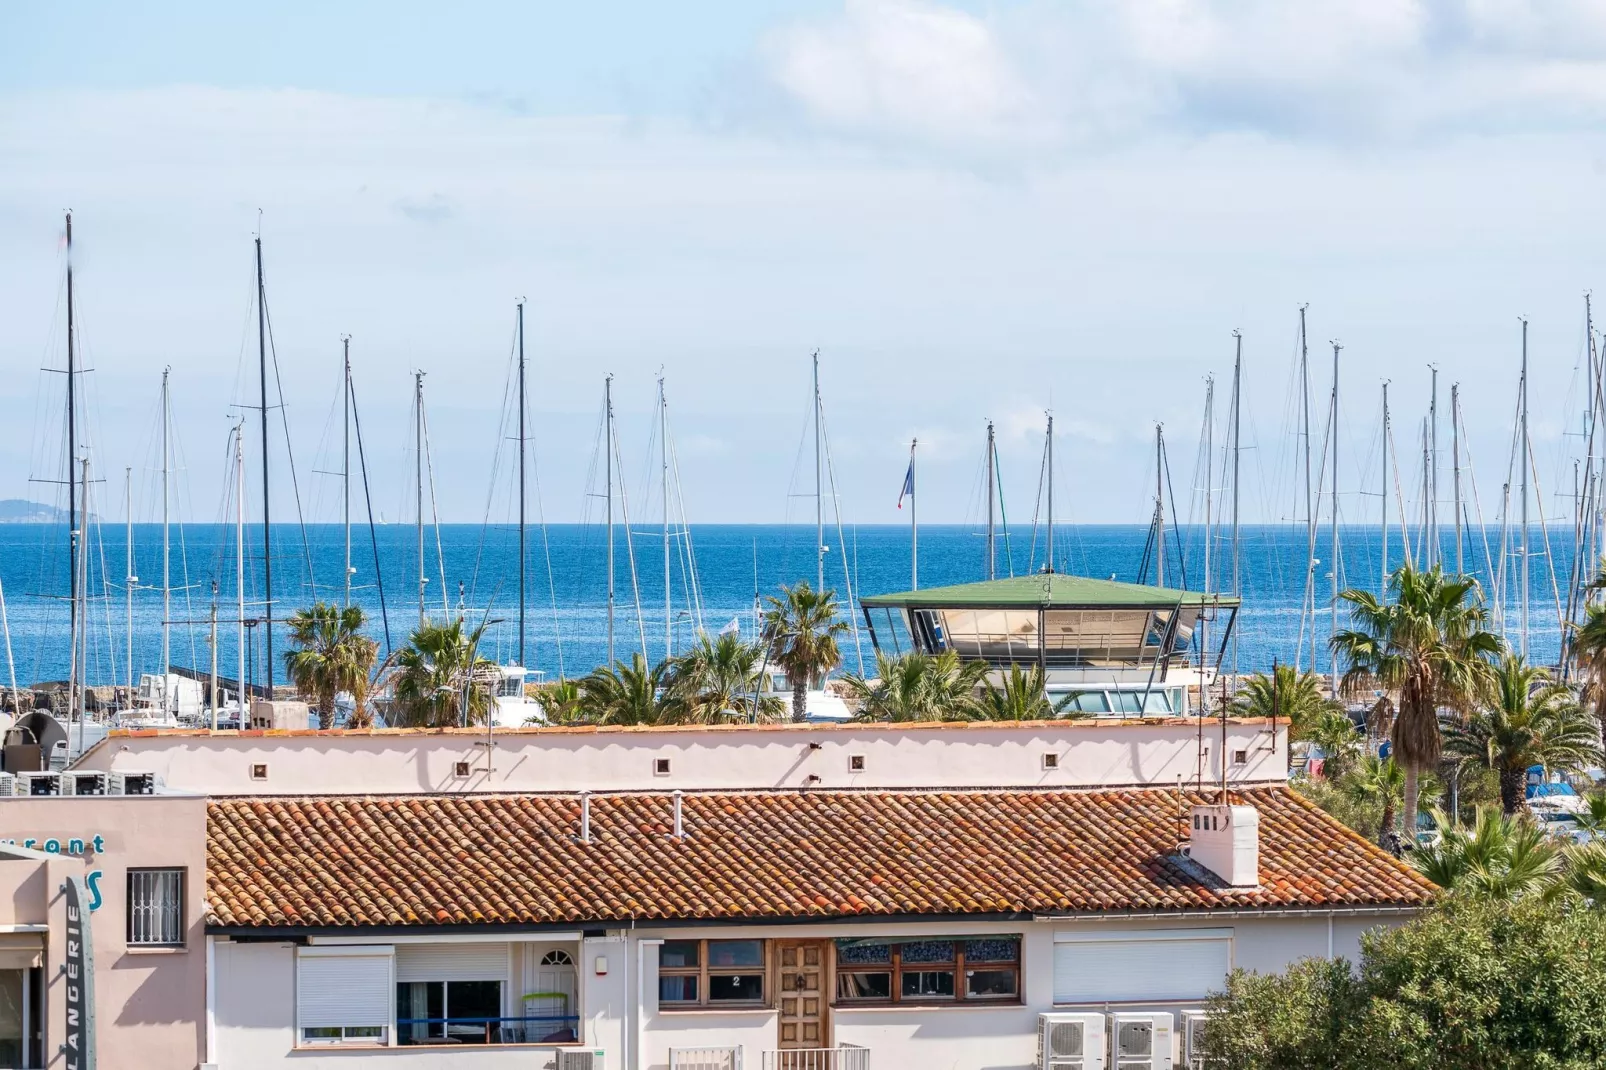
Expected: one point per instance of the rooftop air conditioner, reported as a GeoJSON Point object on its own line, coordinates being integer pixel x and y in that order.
{"type": "Point", "coordinates": [1141, 1041]}
{"type": "Point", "coordinates": [8, 784]}
{"type": "Point", "coordinates": [39, 784]}
{"type": "Point", "coordinates": [133, 783]}
{"type": "Point", "coordinates": [1070, 1042]}
{"type": "Point", "coordinates": [84, 783]}
{"type": "Point", "coordinates": [1193, 1029]}
{"type": "Point", "coordinates": [584, 1059]}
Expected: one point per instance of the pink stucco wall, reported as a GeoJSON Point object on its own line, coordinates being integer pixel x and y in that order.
{"type": "Point", "coordinates": [1087, 753]}
{"type": "Point", "coordinates": [150, 1003]}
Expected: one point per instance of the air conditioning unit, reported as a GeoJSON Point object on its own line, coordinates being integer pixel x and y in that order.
{"type": "Point", "coordinates": [39, 784]}
{"type": "Point", "coordinates": [584, 1059]}
{"type": "Point", "coordinates": [85, 783]}
{"type": "Point", "coordinates": [1141, 1041]}
{"type": "Point", "coordinates": [1070, 1042]}
{"type": "Point", "coordinates": [1193, 1029]}
{"type": "Point", "coordinates": [133, 783]}
{"type": "Point", "coordinates": [8, 784]}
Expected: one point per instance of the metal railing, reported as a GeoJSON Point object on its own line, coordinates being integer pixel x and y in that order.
{"type": "Point", "coordinates": [705, 1059]}
{"type": "Point", "coordinates": [550, 1029]}
{"type": "Point", "coordinates": [845, 1057]}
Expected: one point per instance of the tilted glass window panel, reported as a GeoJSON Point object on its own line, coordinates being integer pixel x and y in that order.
{"type": "Point", "coordinates": [735, 953]}
{"type": "Point", "coordinates": [678, 953]}
{"type": "Point", "coordinates": [925, 951]}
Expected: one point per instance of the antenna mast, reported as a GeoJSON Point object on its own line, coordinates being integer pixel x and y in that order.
{"type": "Point", "coordinates": [418, 487]}
{"type": "Point", "coordinates": [663, 479]}
{"type": "Point", "coordinates": [1237, 450]}
{"type": "Point", "coordinates": [819, 505]}
{"type": "Point", "coordinates": [607, 449]}
{"type": "Point", "coordinates": [1522, 394]}
{"type": "Point", "coordinates": [1333, 423]}
{"type": "Point", "coordinates": [1383, 578]}
{"type": "Point", "coordinates": [1050, 447]}
{"type": "Point", "coordinates": [992, 557]}
{"type": "Point", "coordinates": [167, 553]}
{"type": "Point", "coordinates": [345, 460]}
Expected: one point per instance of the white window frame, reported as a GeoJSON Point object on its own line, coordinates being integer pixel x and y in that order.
{"type": "Point", "coordinates": [164, 884]}
{"type": "Point", "coordinates": [387, 1037]}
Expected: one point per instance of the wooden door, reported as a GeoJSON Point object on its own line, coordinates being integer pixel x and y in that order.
{"type": "Point", "coordinates": [805, 994]}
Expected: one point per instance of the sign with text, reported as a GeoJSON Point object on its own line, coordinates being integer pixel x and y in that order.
{"type": "Point", "coordinates": [79, 1042]}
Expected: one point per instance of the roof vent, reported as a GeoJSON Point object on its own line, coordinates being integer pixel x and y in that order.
{"type": "Point", "coordinates": [585, 817]}
{"type": "Point", "coordinates": [1225, 839]}
{"type": "Point", "coordinates": [680, 827]}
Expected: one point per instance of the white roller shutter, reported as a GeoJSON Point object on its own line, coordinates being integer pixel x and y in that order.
{"type": "Point", "coordinates": [452, 962]}
{"type": "Point", "coordinates": [344, 986]}
{"type": "Point", "coordinates": [1163, 964]}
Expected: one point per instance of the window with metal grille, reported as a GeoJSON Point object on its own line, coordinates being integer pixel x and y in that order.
{"type": "Point", "coordinates": [156, 908]}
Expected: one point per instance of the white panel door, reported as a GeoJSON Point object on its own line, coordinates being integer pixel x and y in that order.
{"type": "Point", "coordinates": [1140, 966]}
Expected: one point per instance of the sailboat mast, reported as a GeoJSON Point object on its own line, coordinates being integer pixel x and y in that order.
{"type": "Point", "coordinates": [345, 460]}
{"type": "Point", "coordinates": [607, 449]}
{"type": "Point", "coordinates": [523, 520]}
{"type": "Point", "coordinates": [819, 501]}
{"type": "Point", "coordinates": [418, 486]}
{"type": "Point", "coordinates": [1309, 604]}
{"type": "Point", "coordinates": [992, 558]}
{"type": "Point", "coordinates": [1433, 470]}
{"type": "Point", "coordinates": [267, 525]}
{"type": "Point", "coordinates": [1455, 469]}
{"type": "Point", "coordinates": [1209, 530]}
{"type": "Point", "coordinates": [1049, 445]}
{"type": "Point", "coordinates": [663, 479]}
{"type": "Point", "coordinates": [167, 551]}
{"type": "Point", "coordinates": [72, 448]}
{"type": "Point", "coordinates": [1523, 455]}
{"type": "Point", "coordinates": [83, 611]}
{"type": "Point", "coordinates": [1333, 423]}
{"type": "Point", "coordinates": [239, 568]}
{"type": "Point", "coordinates": [1159, 505]}
{"type": "Point", "coordinates": [1237, 450]}
{"type": "Point", "coordinates": [129, 579]}
{"type": "Point", "coordinates": [1383, 496]}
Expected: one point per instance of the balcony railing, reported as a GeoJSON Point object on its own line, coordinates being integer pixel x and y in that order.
{"type": "Point", "coordinates": [530, 1030]}
{"type": "Point", "coordinates": [705, 1059]}
{"type": "Point", "coordinates": [845, 1057]}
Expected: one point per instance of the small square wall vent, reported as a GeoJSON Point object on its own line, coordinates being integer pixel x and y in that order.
{"type": "Point", "coordinates": [855, 763]}
{"type": "Point", "coordinates": [1240, 757]}
{"type": "Point", "coordinates": [660, 767]}
{"type": "Point", "coordinates": [460, 769]}
{"type": "Point", "coordinates": [1051, 761]}
{"type": "Point", "coordinates": [259, 771]}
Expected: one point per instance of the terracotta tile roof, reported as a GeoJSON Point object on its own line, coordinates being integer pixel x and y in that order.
{"type": "Point", "coordinates": [442, 860]}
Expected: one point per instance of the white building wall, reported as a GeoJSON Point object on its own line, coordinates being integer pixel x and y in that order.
{"type": "Point", "coordinates": [255, 999]}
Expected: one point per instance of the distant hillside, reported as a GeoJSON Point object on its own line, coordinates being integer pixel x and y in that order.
{"type": "Point", "coordinates": [18, 511]}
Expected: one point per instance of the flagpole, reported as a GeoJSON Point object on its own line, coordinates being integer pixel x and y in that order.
{"type": "Point", "coordinates": [914, 527]}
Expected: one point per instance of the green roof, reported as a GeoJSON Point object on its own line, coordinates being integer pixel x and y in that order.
{"type": "Point", "coordinates": [1048, 590]}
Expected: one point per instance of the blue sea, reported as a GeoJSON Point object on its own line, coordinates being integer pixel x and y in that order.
{"type": "Point", "coordinates": [566, 583]}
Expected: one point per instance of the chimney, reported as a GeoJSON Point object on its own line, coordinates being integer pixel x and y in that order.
{"type": "Point", "coordinates": [585, 817]}
{"type": "Point", "coordinates": [1225, 839]}
{"type": "Point", "coordinates": [680, 828]}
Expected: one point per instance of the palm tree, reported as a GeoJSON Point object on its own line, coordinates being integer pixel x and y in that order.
{"type": "Point", "coordinates": [918, 687]}
{"type": "Point", "coordinates": [1586, 872]}
{"type": "Point", "coordinates": [801, 628]}
{"type": "Point", "coordinates": [720, 679]}
{"type": "Point", "coordinates": [560, 703]}
{"type": "Point", "coordinates": [629, 694]}
{"type": "Point", "coordinates": [1593, 819]}
{"type": "Point", "coordinates": [1430, 645]}
{"type": "Point", "coordinates": [1024, 697]}
{"type": "Point", "coordinates": [1526, 721]}
{"type": "Point", "coordinates": [1335, 733]}
{"type": "Point", "coordinates": [439, 665]}
{"type": "Point", "coordinates": [1501, 857]}
{"type": "Point", "coordinates": [1589, 652]}
{"type": "Point", "coordinates": [330, 655]}
{"type": "Point", "coordinates": [1379, 782]}
{"type": "Point", "coordinates": [1286, 694]}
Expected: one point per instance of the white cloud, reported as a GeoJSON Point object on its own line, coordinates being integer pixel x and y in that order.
{"type": "Point", "coordinates": [904, 65]}
{"type": "Point", "coordinates": [1038, 75]}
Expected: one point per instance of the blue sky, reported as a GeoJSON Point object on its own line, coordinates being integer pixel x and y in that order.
{"type": "Point", "coordinates": [974, 211]}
